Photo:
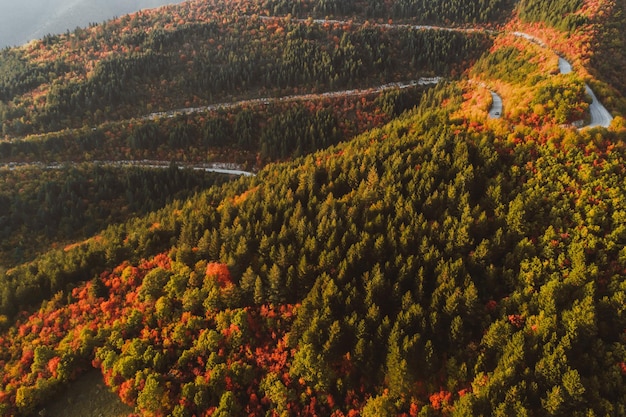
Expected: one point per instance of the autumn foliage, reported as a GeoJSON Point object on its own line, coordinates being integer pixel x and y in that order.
{"type": "Point", "coordinates": [399, 261]}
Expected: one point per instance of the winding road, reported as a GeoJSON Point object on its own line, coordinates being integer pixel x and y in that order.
{"type": "Point", "coordinates": [224, 168]}
{"type": "Point", "coordinates": [530, 38]}
{"type": "Point", "coordinates": [302, 97]}
{"type": "Point", "coordinates": [380, 25]}
{"type": "Point", "coordinates": [564, 66]}
{"type": "Point", "coordinates": [600, 116]}
{"type": "Point", "coordinates": [496, 106]}
{"type": "Point", "coordinates": [220, 168]}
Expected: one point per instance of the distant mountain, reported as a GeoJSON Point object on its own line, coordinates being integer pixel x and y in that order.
{"type": "Point", "coordinates": [23, 21]}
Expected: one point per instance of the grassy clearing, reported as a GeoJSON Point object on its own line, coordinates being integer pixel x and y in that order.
{"type": "Point", "coordinates": [87, 397]}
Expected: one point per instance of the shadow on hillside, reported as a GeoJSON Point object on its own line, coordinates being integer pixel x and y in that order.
{"type": "Point", "coordinates": [87, 397]}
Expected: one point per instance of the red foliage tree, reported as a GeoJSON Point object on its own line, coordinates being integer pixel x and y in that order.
{"type": "Point", "coordinates": [440, 399]}
{"type": "Point", "coordinates": [220, 272]}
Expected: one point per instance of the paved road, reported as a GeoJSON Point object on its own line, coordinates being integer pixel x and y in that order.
{"type": "Point", "coordinates": [564, 66]}
{"type": "Point", "coordinates": [381, 25]}
{"type": "Point", "coordinates": [496, 106]}
{"type": "Point", "coordinates": [530, 38]}
{"type": "Point", "coordinates": [220, 168]}
{"type": "Point", "coordinates": [600, 116]}
{"type": "Point", "coordinates": [302, 97]}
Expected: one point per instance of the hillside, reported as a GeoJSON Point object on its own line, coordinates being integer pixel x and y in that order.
{"type": "Point", "coordinates": [400, 250]}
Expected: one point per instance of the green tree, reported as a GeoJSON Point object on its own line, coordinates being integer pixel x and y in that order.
{"type": "Point", "coordinates": [379, 406]}
{"type": "Point", "coordinates": [228, 406]}
{"type": "Point", "coordinates": [150, 398]}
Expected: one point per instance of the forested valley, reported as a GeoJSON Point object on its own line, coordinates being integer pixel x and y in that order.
{"type": "Point", "coordinates": [395, 250]}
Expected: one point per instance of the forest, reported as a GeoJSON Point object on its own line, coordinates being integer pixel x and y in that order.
{"type": "Point", "coordinates": [398, 252]}
{"type": "Point", "coordinates": [64, 204]}
{"type": "Point", "coordinates": [248, 134]}
{"type": "Point", "coordinates": [453, 12]}
{"type": "Point", "coordinates": [241, 56]}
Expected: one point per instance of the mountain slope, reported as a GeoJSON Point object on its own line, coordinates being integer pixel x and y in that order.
{"type": "Point", "coordinates": [83, 79]}
{"type": "Point", "coordinates": [434, 267]}
{"type": "Point", "coordinates": [443, 263]}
